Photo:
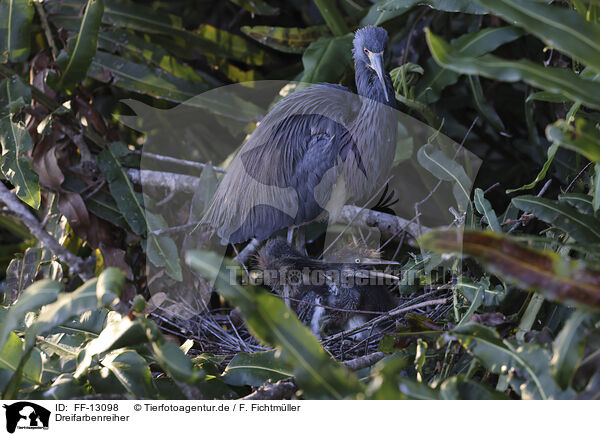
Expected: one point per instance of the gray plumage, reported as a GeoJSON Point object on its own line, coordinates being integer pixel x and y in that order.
{"type": "Point", "coordinates": [312, 142]}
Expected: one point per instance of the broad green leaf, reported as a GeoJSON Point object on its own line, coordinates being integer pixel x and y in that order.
{"type": "Point", "coordinates": [120, 186]}
{"type": "Point", "coordinates": [541, 270]}
{"type": "Point", "coordinates": [162, 250]}
{"type": "Point", "coordinates": [581, 202]}
{"type": "Point", "coordinates": [258, 7]}
{"type": "Point", "coordinates": [14, 95]}
{"type": "Point", "coordinates": [117, 334]}
{"type": "Point", "coordinates": [16, 141]}
{"type": "Point", "coordinates": [21, 272]}
{"type": "Point", "coordinates": [557, 26]}
{"type": "Point", "coordinates": [482, 105]}
{"type": "Point", "coordinates": [436, 77]}
{"type": "Point", "coordinates": [255, 369]}
{"type": "Point", "coordinates": [485, 208]}
{"type": "Point", "coordinates": [130, 371]}
{"type": "Point", "coordinates": [137, 49]}
{"type": "Point", "coordinates": [270, 320]}
{"type": "Point", "coordinates": [583, 228]}
{"type": "Point", "coordinates": [583, 138]}
{"type": "Point", "coordinates": [460, 388]}
{"type": "Point", "coordinates": [596, 200]}
{"type": "Point", "coordinates": [11, 356]}
{"type": "Point", "coordinates": [497, 355]}
{"type": "Point", "coordinates": [326, 59]}
{"type": "Point", "coordinates": [568, 349]}
{"type": "Point", "coordinates": [444, 168]}
{"type": "Point", "coordinates": [206, 39]}
{"type": "Point", "coordinates": [553, 79]}
{"type": "Point", "coordinates": [285, 39]}
{"type": "Point", "coordinates": [110, 285]}
{"type": "Point", "coordinates": [142, 78]}
{"type": "Point", "coordinates": [15, 30]}
{"type": "Point", "coordinates": [63, 388]}
{"type": "Point", "coordinates": [35, 296]}
{"type": "Point", "coordinates": [332, 16]}
{"type": "Point", "coordinates": [385, 10]}
{"type": "Point", "coordinates": [81, 48]}
{"type": "Point", "coordinates": [91, 295]}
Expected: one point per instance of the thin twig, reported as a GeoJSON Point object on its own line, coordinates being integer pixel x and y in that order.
{"type": "Point", "coordinates": [76, 265]}
{"type": "Point", "coordinates": [47, 31]}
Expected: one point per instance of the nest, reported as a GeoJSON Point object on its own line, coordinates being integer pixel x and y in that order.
{"type": "Point", "coordinates": [223, 334]}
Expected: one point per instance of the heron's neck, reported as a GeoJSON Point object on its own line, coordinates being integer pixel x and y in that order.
{"type": "Point", "coordinates": [368, 85]}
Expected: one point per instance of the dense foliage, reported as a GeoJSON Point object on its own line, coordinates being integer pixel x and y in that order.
{"type": "Point", "coordinates": [517, 81]}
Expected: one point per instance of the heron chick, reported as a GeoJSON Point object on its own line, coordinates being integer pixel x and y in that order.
{"type": "Point", "coordinates": [326, 296]}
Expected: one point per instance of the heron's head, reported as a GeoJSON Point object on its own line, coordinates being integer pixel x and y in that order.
{"type": "Point", "coordinates": [370, 44]}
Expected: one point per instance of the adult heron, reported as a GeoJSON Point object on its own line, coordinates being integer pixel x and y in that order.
{"type": "Point", "coordinates": [316, 149]}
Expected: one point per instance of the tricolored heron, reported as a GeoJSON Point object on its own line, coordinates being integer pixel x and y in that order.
{"type": "Point", "coordinates": [316, 149]}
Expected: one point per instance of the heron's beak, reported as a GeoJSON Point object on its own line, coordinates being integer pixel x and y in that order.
{"type": "Point", "coordinates": [376, 60]}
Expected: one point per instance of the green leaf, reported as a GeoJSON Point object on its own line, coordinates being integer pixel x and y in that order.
{"type": "Point", "coordinates": [204, 40]}
{"type": "Point", "coordinates": [494, 353]}
{"type": "Point", "coordinates": [485, 208]}
{"type": "Point", "coordinates": [121, 188]}
{"type": "Point", "coordinates": [553, 79]}
{"type": "Point", "coordinates": [130, 371]}
{"type": "Point", "coordinates": [436, 77]}
{"type": "Point", "coordinates": [460, 388]}
{"type": "Point", "coordinates": [583, 138]}
{"type": "Point", "coordinates": [332, 16]}
{"type": "Point", "coordinates": [543, 271]}
{"type": "Point", "coordinates": [596, 200]}
{"type": "Point", "coordinates": [385, 10]}
{"type": "Point", "coordinates": [583, 228]}
{"type": "Point", "coordinates": [485, 108]}
{"type": "Point", "coordinates": [326, 59]}
{"type": "Point", "coordinates": [138, 49]}
{"type": "Point", "coordinates": [258, 7]}
{"type": "Point", "coordinates": [444, 168]}
{"type": "Point", "coordinates": [89, 296]}
{"type": "Point", "coordinates": [35, 296]}
{"type": "Point", "coordinates": [117, 334]}
{"type": "Point", "coordinates": [550, 157]}
{"type": "Point", "coordinates": [141, 78]}
{"type": "Point", "coordinates": [15, 30]}
{"type": "Point", "coordinates": [21, 272]}
{"type": "Point", "coordinates": [270, 320]}
{"type": "Point", "coordinates": [568, 349]}
{"type": "Point", "coordinates": [581, 202]}
{"type": "Point", "coordinates": [16, 141]}
{"type": "Point", "coordinates": [11, 356]}
{"type": "Point", "coordinates": [110, 285]}
{"type": "Point", "coordinates": [162, 250]}
{"type": "Point", "coordinates": [81, 48]}
{"type": "Point", "coordinates": [14, 95]}
{"type": "Point", "coordinates": [256, 369]}
{"type": "Point", "coordinates": [557, 26]}
{"type": "Point", "coordinates": [285, 39]}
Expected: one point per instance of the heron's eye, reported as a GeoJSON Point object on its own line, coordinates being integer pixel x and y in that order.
{"type": "Point", "coordinates": [357, 260]}
{"type": "Point", "coordinates": [366, 50]}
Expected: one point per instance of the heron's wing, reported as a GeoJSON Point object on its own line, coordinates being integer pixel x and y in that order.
{"type": "Point", "coordinates": [270, 184]}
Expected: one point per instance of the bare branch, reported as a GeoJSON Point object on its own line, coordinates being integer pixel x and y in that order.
{"type": "Point", "coordinates": [18, 209]}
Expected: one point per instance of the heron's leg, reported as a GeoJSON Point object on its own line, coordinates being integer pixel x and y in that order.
{"type": "Point", "coordinates": [301, 239]}
{"type": "Point", "coordinates": [290, 235]}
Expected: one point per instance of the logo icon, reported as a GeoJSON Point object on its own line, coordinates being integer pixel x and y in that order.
{"type": "Point", "coordinates": [26, 415]}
